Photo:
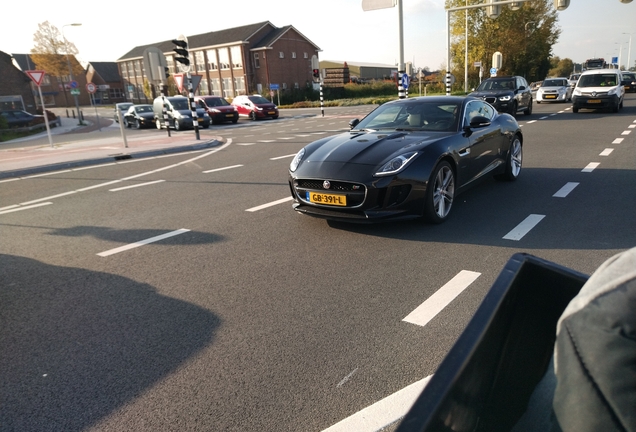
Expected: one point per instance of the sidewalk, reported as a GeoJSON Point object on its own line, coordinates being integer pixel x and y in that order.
{"type": "Point", "coordinates": [30, 159]}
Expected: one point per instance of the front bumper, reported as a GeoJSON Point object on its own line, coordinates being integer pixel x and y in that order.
{"type": "Point", "coordinates": [551, 97]}
{"type": "Point", "coordinates": [595, 102]}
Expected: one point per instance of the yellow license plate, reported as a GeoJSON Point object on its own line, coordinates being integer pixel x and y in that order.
{"type": "Point", "coordinates": [550, 96]}
{"type": "Point", "coordinates": [594, 101]}
{"type": "Point", "coordinates": [271, 112]}
{"type": "Point", "coordinates": [328, 199]}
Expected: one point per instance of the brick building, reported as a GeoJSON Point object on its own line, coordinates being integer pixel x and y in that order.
{"type": "Point", "coordinates": [56, 90]}
{"type": "Point", "coordinates": [16, 91]}
{"type": "Point", "coordinates": [105, 76]}
{"type": "Point", "coordinates": [231, 62]}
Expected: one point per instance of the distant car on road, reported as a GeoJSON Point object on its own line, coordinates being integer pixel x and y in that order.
{"type": "Point", "coordinates": [255, 107]}
{"type": "Point", "coordinates": [554, 90]}
{"type": "Point", "coordinates": [573, 79]}
{"type": "Point", "coordinates": [140, 116]}
{"type": "Point", "coordinates": [18, 118]}
{"type": "Point", "coordinates": [599, 89]}
{"type": "Point", "coordinates": [508, 94]}
{"type": "Point", "coordinates": [219, 109]}
{"type": "Point", "coordinates": [629, 82]}
{"type": "Point", "coordinates": [122, 108]}
{"type": "Point", "coordinates": [178, 112]}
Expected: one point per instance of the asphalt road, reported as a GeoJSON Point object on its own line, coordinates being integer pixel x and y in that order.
{"type": "Point", "coordinates": [183, 293]}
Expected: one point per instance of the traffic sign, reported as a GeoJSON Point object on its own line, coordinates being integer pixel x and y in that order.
{"type": "Point", "coordinates": [91, 87]}
{"type": "Point", "coordinates": [36, 75]}
{"type": "Point", "coordinates": [73, 84]}
{"type": "Point", "coordinates": [493, 71]}
{"type": "Point", "coordinates": [75, 92]}
{"type": "Point", "coordinates": [405, 80]}
{"type": "Point", "coordinates": [178, 80]}
{"type": "Point", "coordinates": [273, 87]}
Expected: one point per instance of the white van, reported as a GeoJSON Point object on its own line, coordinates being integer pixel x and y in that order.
{"type": "Point", "coordinates": [599, 89]}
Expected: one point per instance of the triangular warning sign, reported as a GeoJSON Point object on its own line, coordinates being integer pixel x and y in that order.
{"type": "Point", "coordinates": [36, 76]}
{"type": "Point", "coordinates": [178, 80]}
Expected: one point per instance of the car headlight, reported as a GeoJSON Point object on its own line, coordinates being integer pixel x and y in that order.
{"type": "Point", "coordinates": [396, 164]}
{"type": "Point", "coordinates": [177, 115]}
{"type": "Point", "coordinates": [576, 91]}
{"type": "Point", "coordinates": [296, 161]}
{"type": "Point", "coordinates": [258, 108]}
{"type": "Point", "coordinates": [216, 111]}
{"type": "Point", "coordinates": [613, 91]}
{"type": "Point", "coordinates": [505, 98]}
{"type": "Point", "coordinates": [206, 116]}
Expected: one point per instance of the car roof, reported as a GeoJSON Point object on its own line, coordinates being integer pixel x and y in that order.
{"type": "Point", "coordinates": [599, 71]}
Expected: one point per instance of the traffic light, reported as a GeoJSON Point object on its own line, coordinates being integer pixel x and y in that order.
{"type": "Point", "coordinates": [181, 49]}
{"type": "Point", "coordinates": [316, 74]}
{"type": "Point", "coordinates": [561, 5]}
{"type": "Point", "coordinates": [166, 69]}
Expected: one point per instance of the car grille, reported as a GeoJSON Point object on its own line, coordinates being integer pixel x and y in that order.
{"type": "Point", "coordinates": [490, 99]}
{"type": "Point", "coordinates": [355, 192]}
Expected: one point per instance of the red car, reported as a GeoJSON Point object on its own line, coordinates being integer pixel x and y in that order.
{"type": "Point", "coordinates": [218, 109]}
{"type": "Point", "coordinates": [255, 107]}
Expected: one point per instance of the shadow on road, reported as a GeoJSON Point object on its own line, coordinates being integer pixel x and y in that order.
{"type": "Point", "coordinates": [76, 345]}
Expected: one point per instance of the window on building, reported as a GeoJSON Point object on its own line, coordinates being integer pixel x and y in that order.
{"type": "Point", "coordinates": [200, 61]}
{"type": "Point", "coordinates": [257, 61]}
{"type": "Point", "coordinates": [296, 86]}
{"type": "Point", "coordinates": [224, 58]}
{"type": "Point", "coordinates": [237, 58]}
{"type": "Point", "coordinates": [137, 68]}
{"type": "Point", "coordinates": [124, 70]}
{"type": "Point", "coordinates": [239, 86]}
{"type": "Point", "coordinates": [284, 86]}
{"type": "Point", "coordinates": [227, 88]}
{"type": "Point", "coordinates": [293, 54]}
{"type": "Point", "coordinates": [212, 62]}
{"type": "Point", "coordinates": [170, 64]}
{"type": "Point", "coordinates": [203, 87]}
{"type": "Point", "coordinates": [281, 54]}
{"type": "Point", "coordinates": [215, 87]}
{"type": "Point", "coordinates": [305, 55]}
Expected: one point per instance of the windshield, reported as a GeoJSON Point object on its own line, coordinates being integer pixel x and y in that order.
{"type": "Point", "coordinates": [497, 84]}
{"type": "Point", "coordinates": [180, 104]}
{"type": "Point", "coordinates": [597, 80]}
{"type": "Point", "coordinates": [212, 102]}
{"type": "Point", "coordinates": [144, 108]}
{"type": "Point", "coordinates": [412, 116]}
{"type": "Point", "coordinates": [259, 100]}
{"type": "Point", "coordinates": [629, 76]}
{"type": "Point", "coordinates": [554, 83]}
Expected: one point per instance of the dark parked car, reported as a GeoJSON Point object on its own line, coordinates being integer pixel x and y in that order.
{"type": "Point", "coordinates": [140, 116]}
{"type": "Point", "coordinates": [509, 94]}
{"type": "Point", "coordinates": [408, 158]}
{"type": "Point", "coordinates": [629, 82]}
{"type": "Point", "coordinates": [122, 107]}
{"type": "Point", "coordinates": [218, 109]}
{"type": "Point", "coordinates": [255, 107]}
{"type": "Point", "coordinates": [18, 118]}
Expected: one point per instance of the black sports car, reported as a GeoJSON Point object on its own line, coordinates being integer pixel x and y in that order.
{"type": "Point", "coordinates": [140, 116]}
{"type": "Point", "coordinates": [407, 158]}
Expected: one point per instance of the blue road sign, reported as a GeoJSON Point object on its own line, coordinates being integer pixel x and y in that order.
{"type": "Point", "coordinates": [405, 81]}
{"type": "Point", "coordinates": [493, 71]}
{"type": "Point", "coordinates": [73, 84]}
{"type": "Point", "coordinates": [273, 86]}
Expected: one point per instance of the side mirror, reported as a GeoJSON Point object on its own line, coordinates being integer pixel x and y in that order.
{"type": "Point", "coordinates": [479, 122]}
{"type": "Point", "coordinates": [522, 88]}
{"type": "Point", "coordinates": [353, 123]}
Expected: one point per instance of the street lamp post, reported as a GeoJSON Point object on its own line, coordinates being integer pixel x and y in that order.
{"type": "Point", "coordinates": [629, 51]}
{"type": "Point", "coordinates": [70, 70]}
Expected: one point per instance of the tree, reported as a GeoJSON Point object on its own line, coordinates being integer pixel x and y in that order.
{"type": "Point", "coordinates": [52, 53]}
{"type": "Point", "coordinates": [524, 37]}
{"type": "Point", "coordinates": [561, 67]}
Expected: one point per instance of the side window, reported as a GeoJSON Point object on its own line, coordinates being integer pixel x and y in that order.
{"type": "Point", "coordinates": [477, 108]}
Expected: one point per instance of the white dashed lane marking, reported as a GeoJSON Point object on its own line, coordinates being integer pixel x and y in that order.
{"type": "Point", "coordinates": [524, 227]}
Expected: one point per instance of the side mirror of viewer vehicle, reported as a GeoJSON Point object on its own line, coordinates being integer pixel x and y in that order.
{"type": "Point", "coordinates": [353, 123]}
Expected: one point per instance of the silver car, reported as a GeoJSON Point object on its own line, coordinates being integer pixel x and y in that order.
{"type": "Point", "coordinates": [554, 90]}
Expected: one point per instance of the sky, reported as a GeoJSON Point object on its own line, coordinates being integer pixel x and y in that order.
{"type": "Point", "coordinates": [340, 28]}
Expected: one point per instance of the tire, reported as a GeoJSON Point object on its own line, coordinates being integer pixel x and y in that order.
{"type": "Point", "coordinates": [513, 161]}
{"type": "Point", "coordinates": [440, 193]}
{"type": "Point", "coordinates": [575, 109]}
{"type": "Point", "coordinates": [126, 124]}
{"type": "Point", "coordinates": [177, 126]}
{"type": "Point", "coordinates": [205, 126]}
{"type": "Point", "coordinates": [234, 121]}
{"type": "Point", "coordinates": [137, 124]}
{"type": "Point", "coordinates": [252, 116]}
{"type": "Point", "coordinates": [528, 110]}
{"type": "Point", "coordinates": [274, 117]}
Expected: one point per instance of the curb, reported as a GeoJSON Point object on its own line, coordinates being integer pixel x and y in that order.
{"type": "Point", "coordinates": [111, 158]}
